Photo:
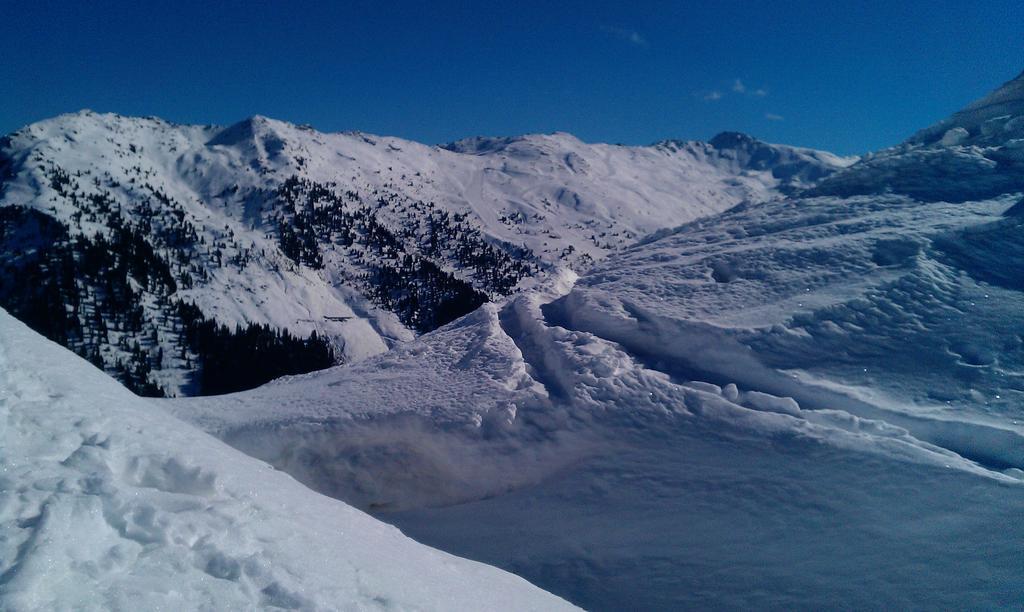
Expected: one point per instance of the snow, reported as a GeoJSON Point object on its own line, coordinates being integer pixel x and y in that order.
{"type": "Point", "coordinates": [976, 153]}
{"type": "Point", "coordinates": [892, 308]}
{"type": "Point", "coordinates": [597, 470]}
{"type": "Point", "coordinates": [808, 402]}
{"type": "Point", "coordinates": [552, 190]}
{"type": "Point", "coordinates": [109, 503]}
{"type": "Point", "coordinates": [801, 402]}
{"type": "Point", "coordinates": [991, 120]}
{"type": "Point", "coordinates": [175, 159]}
{"type": "Point", "coordinates": [564, 201]}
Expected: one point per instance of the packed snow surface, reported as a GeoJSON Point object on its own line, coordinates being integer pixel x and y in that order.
{"type": "Point", "coordinates": [108, 503]}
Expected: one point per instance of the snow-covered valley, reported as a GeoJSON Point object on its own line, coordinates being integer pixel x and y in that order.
{"type": "Point", "coordinates": [781, 379]}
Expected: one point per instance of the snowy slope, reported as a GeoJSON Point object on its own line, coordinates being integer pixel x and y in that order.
{"type": "Point", "coordinates": [974, 154]}
{"type": "Point", "coordinates": [990, 121]}
{"type": "Point", "coordinates": [558, 455]}
{"type": "Point", "coordinates": [359, 238]}
{"type": "Point", "coordinates": [886, 307]}
{"type": "Point", "coordinates": [808, 402]}
{"type": "Point", "coordinates": [527, 190]}
{"type": "Point", "coordinates": [555, 191]}
{"type": "Point", "coordinates": [110, 504]}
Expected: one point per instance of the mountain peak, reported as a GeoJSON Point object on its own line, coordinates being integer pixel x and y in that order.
{"type": "Point", "coordinates": [479, 145]}
{"type": "Point", "coordinates": [249, 131]}
{"type": "Point", "coordinates": [482, 145]}
{"type": "Point", "coordinates": [732, 140]}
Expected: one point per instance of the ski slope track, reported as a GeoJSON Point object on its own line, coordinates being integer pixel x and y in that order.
{"type": "Point", "coordinates": [812, 401]}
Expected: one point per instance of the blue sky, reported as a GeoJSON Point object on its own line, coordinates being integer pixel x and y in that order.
{"type": "Point", "coordinates": [844, 76]}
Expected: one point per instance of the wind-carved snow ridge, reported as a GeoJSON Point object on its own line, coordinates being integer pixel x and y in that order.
{"type": "Point", "coordinates": [463, 414]}
{"type": "Point", "coordinates": [526, 332]}
{"type": "Point", "coordinates": [698, 353]}
{"type": "Point", "coordinates": [110, 504]}
{"type": "Point", "coordinates": [887, 308]}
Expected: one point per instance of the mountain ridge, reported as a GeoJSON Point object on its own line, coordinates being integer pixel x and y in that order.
{"type": "Point", "coordinates": [362, 240]}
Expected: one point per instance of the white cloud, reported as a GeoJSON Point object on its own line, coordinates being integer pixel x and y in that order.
{"type": "Point", "coordinates": [737, 88]}
{"type": "Point", "coordinates": [631, 36]}
{"type": "Point", "coordinates": [773, 117]}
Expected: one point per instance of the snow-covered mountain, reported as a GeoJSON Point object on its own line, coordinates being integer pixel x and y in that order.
{"type": "Point", "coordinates": [807, 395]}
{"type": "Point", "coordinates": [807, 402]}
{"type": "Point", "coordinates": [976, 153]}
{"type": "Point", "coordinates": [111, 504]}
{"type": "Point", "coordinates": [161, 252]}
{"type": "Point", "coordinates": [994, 120]}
